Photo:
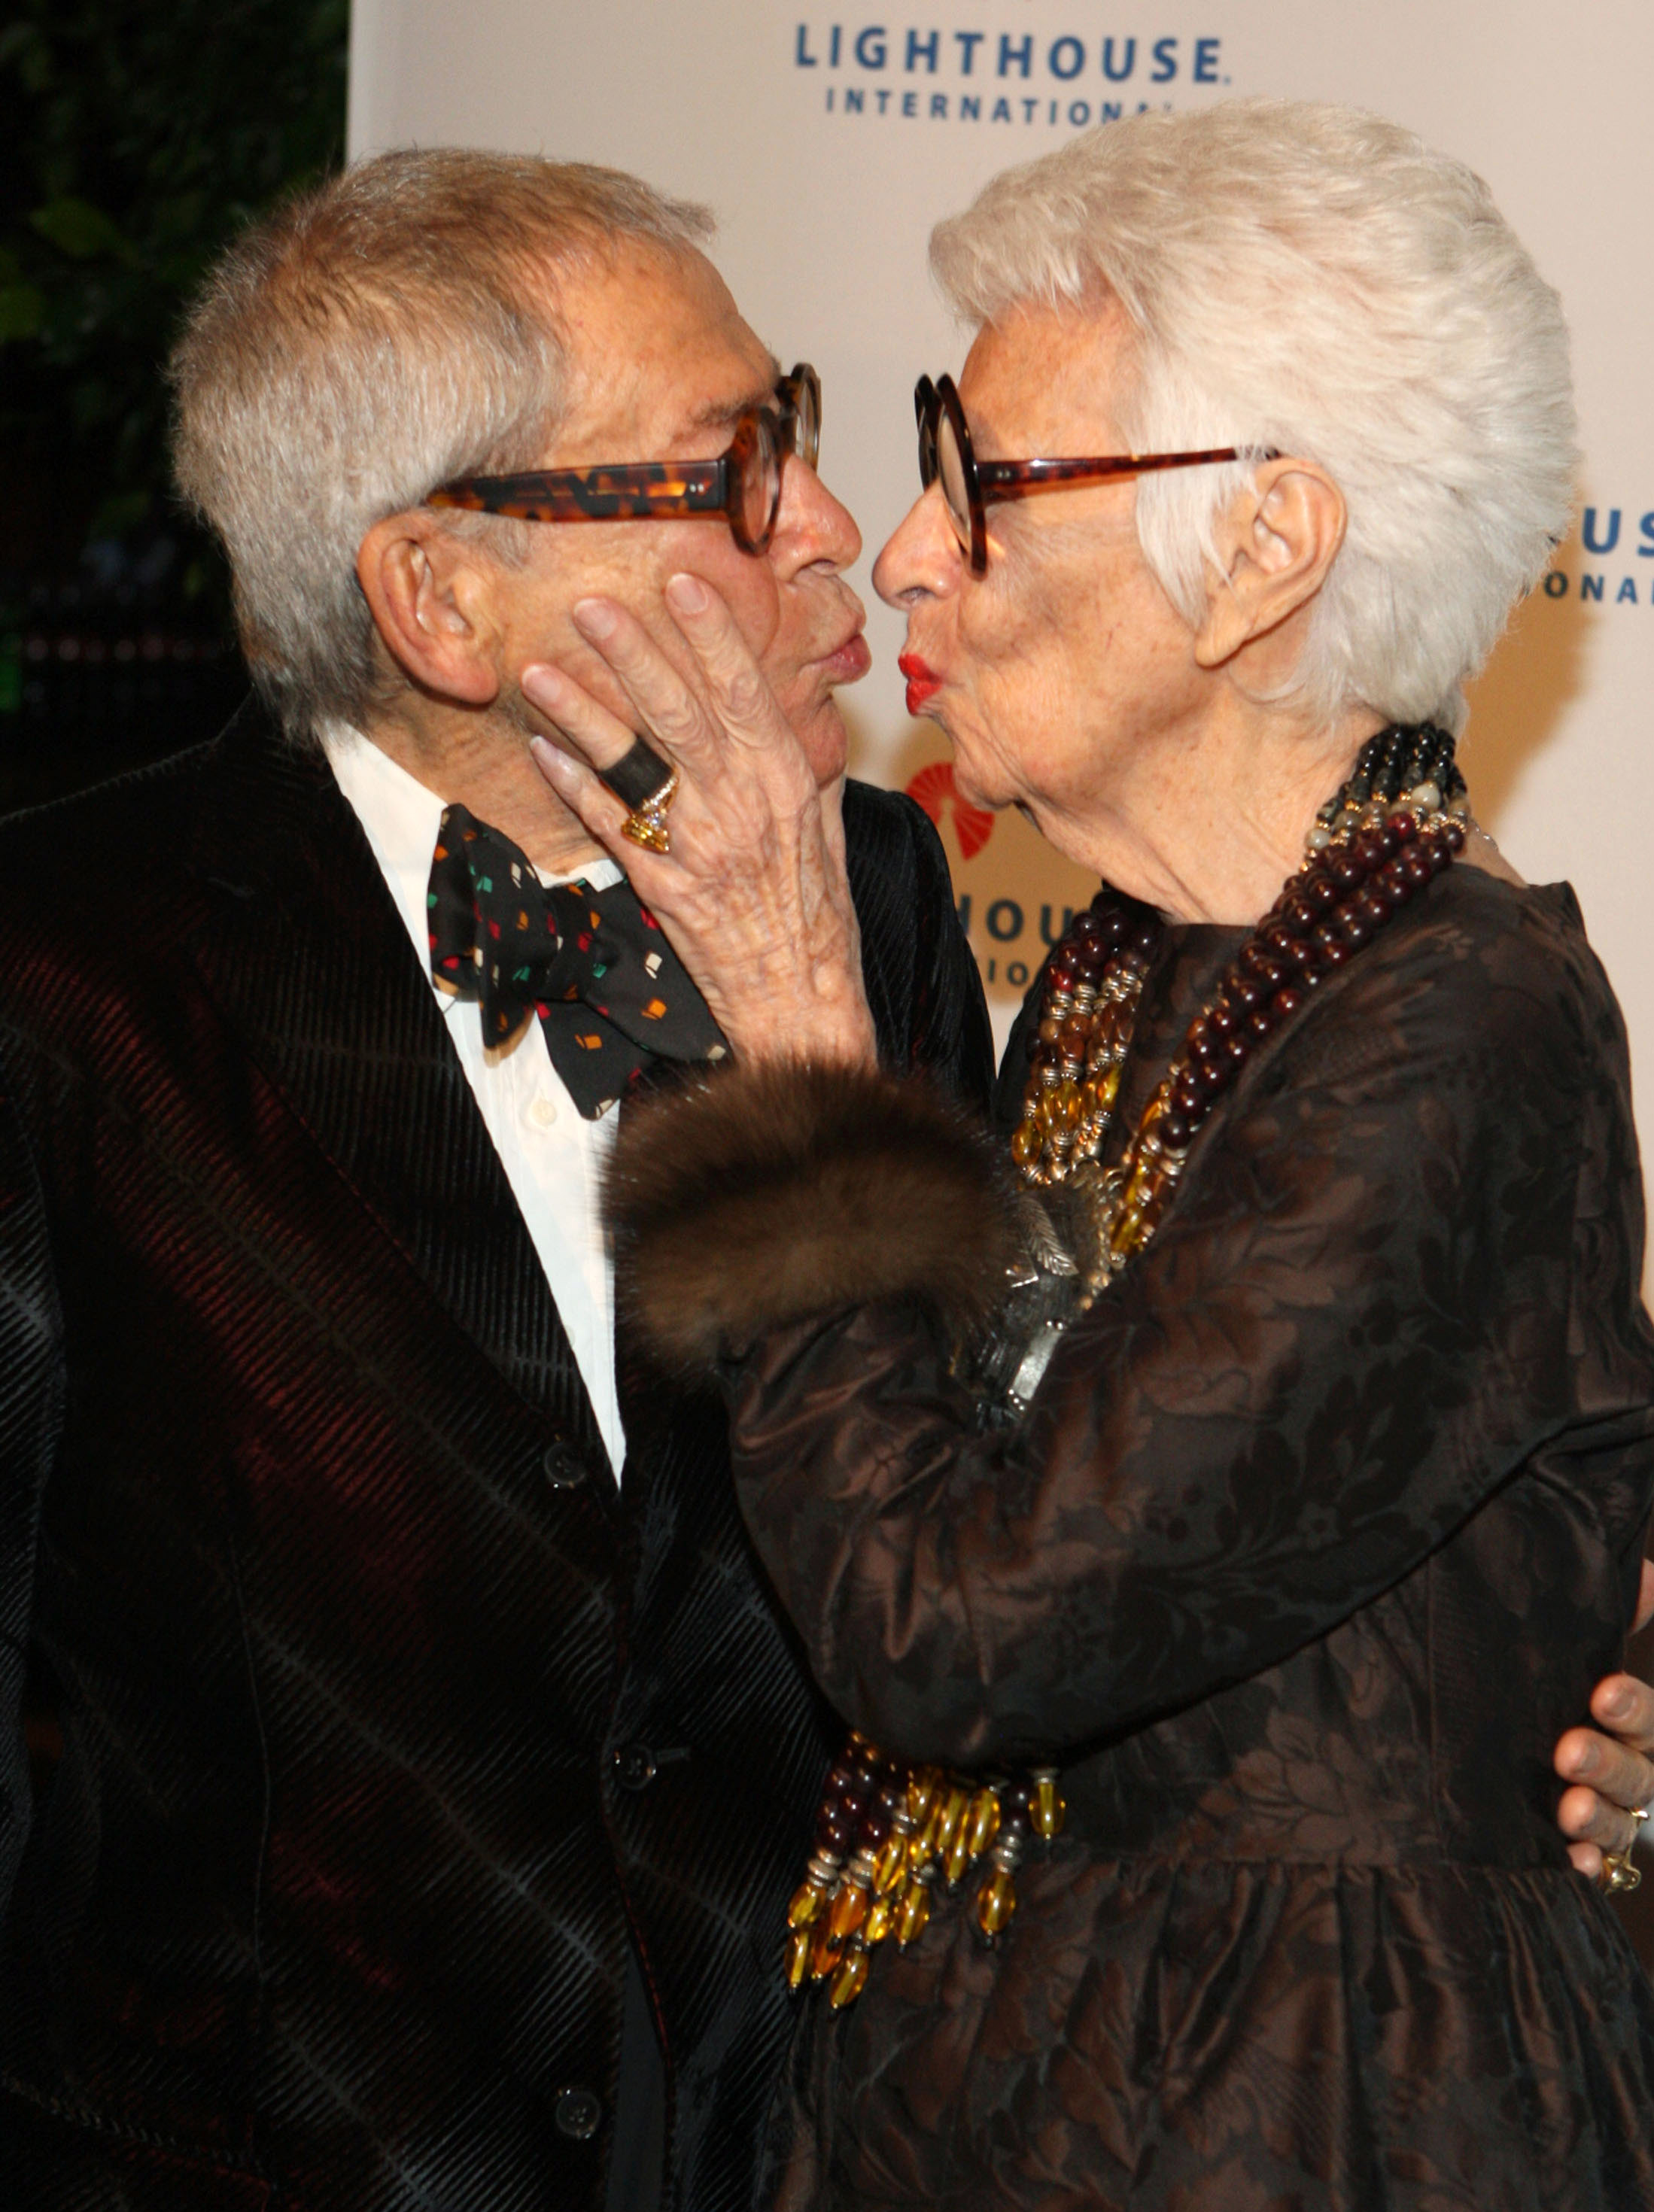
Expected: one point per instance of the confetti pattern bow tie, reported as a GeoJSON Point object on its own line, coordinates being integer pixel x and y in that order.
{"type": "Point", "coordinates": [611, 993]}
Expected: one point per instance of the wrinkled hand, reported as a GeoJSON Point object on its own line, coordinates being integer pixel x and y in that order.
{"type": "Point", "coordinates": [753, 893]}
{"type": "Point", "coordinates": [1612, 1771]}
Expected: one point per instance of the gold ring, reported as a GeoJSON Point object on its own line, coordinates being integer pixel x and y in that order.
{"type": "Point", "coordinates": [647, 824]}
{"type": "Point", "coordinates": [1619, 1875]}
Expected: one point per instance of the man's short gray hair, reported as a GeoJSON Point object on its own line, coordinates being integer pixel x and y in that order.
{"type": "Point", "coordinates": [1315, 280]}
{"type": "Point", "coordinates": [394, 328]}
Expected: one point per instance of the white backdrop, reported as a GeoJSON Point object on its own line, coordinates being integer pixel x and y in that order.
{"type": "Point", "coordinates": [828, 137]}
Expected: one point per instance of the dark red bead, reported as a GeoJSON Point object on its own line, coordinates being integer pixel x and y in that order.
{"type": "Point", "coordinates": [839, 1779]}
{"type": "Point", "coordinates": [1187, 1092]}
{"type": "Point", "coordinates": [1087, 929]}
{"type": "Point", "coordinates": [1145, 938]}
{"type": "Point", "coordinates": [1317, 890]}
{"type": "Point", "coordinates": [1414, 864]}
{"type": "Point", "coordinates": [1216, 1075]}
{"type": "Point", "coordinates": [1335, 954]}
{"type": "Point", "coordinates": [1370, 850]}
{"type": "Point", "coordinates": [1299, 916]}
{"type": "Point", "coordinates": [1260, 1021]}
{"type": "Point", "coordinates": [1454, 832]}
{"type": "Point", "coordinates": [1394, 881]}
{"type": "Point", "coordinates": [1405, 826]}
{"type": "Point", "coordinates": [1283, 944]}
{"type": "Point", "coordinates": [1242, 990]}
{"type": "Point", "coordinates": [1346, 870]}
{"type": "Point", "coordinates": [1060, 975]}
{"type": "Point", "coordinates": [1326, 937]}
{"type": "Point", "coordinates": [1223, 1018]}
{"type": "Point", "coordinates": [1174, 1129]}
{"type": "Point", "coordinates": [875, 1825]}
{"type": "Point", "coordinates": [1286, 1001]}
{"type": "Point", "coordinates": [1353, 925]}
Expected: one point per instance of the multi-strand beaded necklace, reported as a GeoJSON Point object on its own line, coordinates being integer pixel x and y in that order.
{"type": "Point", "coordinates": [887, 1833]}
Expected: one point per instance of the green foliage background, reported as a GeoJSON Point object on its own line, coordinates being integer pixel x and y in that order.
{"type": "Point", "coordinates": [140, 134]}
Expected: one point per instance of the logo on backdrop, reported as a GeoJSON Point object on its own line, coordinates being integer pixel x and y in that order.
{"type": "Point", "coordinates": [919, 74]}
{"type": "Point", "coordinates": [1613, 540]}
{"type": "Point", "coordinates": [932, 788]}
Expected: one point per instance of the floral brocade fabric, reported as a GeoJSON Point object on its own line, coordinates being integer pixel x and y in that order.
{"type": "Point", "coordinates": [1321, 1527]}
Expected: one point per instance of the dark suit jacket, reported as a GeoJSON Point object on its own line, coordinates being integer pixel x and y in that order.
{"type": "Point", "coordinates": [374, 1715]}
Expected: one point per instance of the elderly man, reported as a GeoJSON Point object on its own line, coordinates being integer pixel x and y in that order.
{"type": "Point", "coordinates": [430, 1764]}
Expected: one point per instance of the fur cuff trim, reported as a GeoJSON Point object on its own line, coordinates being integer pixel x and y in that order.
{"type": "Point", "coordinates": [755, 1197]}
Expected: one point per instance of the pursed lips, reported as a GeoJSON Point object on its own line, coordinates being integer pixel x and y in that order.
{"type": "Point", "coordinates": [923, 680]}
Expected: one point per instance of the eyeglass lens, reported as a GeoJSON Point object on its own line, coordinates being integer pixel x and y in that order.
{"type": "Point", "coordinates": [950, 466]}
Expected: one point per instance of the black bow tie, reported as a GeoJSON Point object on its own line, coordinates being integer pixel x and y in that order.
{"type": "Point", "coordinates": [611, 993]}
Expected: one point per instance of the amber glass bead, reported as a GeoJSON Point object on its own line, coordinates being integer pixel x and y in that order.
{"type": "Point", "coordinates": [1047, 1810]}
{"type": "Point", "coordinates": [848, 1911]}
{"type": "Point", "coordinates": [921, 1792]}
{"type": "Point", "coordinates": [824, 1954]}
{"type": "Point", "coordinates": [848, 1982]}
{"type": "Point", "coordinates": [881, 1918]}
{"type": "Point", "coordinates": [982, 1823]}
{"type": "Point", "coordinates": [1122, 1238]}
{"type": "Point", "coordinates": [800, 1944]}
{"type": "Point", "coordinates": [997, 1902]}
{"type": "Point", "coordinates": [957, 1857]}
{"type": "Point", "coordinates": [891, 1864]}
{"type": "Point", "coordinates": [950, 1811]}
{"type": "Point", "coordinates": [806, 1909]}
{"type": "Point", "coordinates": [1059, 1108]}
{"type": "Point", "coordinates": [912, 1913]}
{"type": "Point", "coordinates": [1026, 1143]}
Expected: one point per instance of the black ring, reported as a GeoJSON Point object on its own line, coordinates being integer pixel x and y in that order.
{"type": "Point", "coordinates": [637, 776]}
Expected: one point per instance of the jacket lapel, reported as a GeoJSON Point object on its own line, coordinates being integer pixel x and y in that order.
{"type": "Point", "coordinates": [307, 957]}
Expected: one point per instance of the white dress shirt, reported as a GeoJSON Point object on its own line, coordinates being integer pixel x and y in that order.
{"type": "Point", "coordinates": [553, 1158]}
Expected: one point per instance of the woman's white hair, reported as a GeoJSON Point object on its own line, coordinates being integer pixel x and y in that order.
{"type": "Point", "coordinates": [1315, 280]}
{"type": "Point", "coordinates": [391, 330]}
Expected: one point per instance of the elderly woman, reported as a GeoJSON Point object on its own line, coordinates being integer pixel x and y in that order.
{"type": "Point", "coordinates": [1208, 1605]}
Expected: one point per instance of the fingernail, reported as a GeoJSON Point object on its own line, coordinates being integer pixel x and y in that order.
{"type": "Point", "coordinates": [546, 686]}
{"type": "Point", "coordinates": [595, 617]}
{"type": "Point", "coordinates": [554, 766]}
{"type": "Point", "coordinates": [1617, 1705]}
{"type": "Point", "coordinates": [688, 595]}
{"type": "Point", "coordinates": [1586, 1761]}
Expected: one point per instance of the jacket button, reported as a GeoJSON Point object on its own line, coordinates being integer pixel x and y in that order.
{"type": "Point", "coordinates": [577, 2112]}
{"type": "Point", "coordinates": [564, 1467]}
{"type": "Point", "coordinates": [635, 1766]}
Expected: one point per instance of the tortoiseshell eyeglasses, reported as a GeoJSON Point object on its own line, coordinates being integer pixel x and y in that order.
{"type": "Point", "coordinates": [968, 484]}
{"type": "Point", "coordinates": [743, 485]}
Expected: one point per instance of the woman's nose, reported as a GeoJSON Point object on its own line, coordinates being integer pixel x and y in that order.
{"type": "Point", "coordinates": [923, 555]}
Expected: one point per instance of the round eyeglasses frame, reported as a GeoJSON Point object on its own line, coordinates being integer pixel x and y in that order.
{"type": "Point", "coordinates": [743, 485]}
{"type": "Point", "coordinates": [941, 418]}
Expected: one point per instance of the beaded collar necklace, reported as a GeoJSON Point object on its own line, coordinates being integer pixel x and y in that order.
{"type": "Point", "coordinates": [886, 1833]}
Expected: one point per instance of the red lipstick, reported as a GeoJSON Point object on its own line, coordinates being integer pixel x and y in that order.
{"type": "Point", "coordinates": [923, 680]}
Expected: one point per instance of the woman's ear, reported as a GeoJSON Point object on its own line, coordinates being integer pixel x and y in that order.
{"type": "Point", "coordinates": [431, 595]}
{"type": "Point", "coordinates": [1274, 543]}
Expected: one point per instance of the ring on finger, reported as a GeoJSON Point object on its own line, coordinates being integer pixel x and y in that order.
{"type": "Point", "coordinates": [646, 824]}
{"type": "Point", "coordinates": [1618, 1873]}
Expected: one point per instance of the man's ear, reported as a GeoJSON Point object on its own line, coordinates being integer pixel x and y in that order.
{"type": "Point", "coordinates": [431, 596]}
{"type": "Point", "coordinates": [1274, 543]}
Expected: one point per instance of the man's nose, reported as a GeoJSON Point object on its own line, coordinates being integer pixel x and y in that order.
{"type": "Point", "coordinates": [813, 528]}
{"type": "Point", "coordinates": [922, 557]}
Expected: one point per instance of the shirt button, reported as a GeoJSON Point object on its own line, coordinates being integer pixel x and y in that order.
{"type": "Point", "coordinates": [564, 1467]}
{"type": "Point", "coordinates": [542, 1112]}
{"type": "Point", "coordinates": [635, 1766]}
{"type": "Point", "coordinates": [577, 2111]}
